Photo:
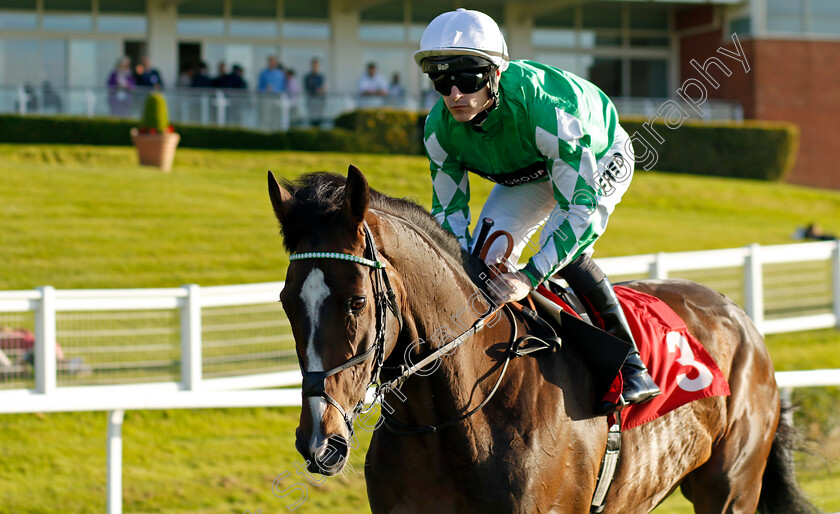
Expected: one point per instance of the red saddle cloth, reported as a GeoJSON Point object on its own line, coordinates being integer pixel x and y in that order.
{"type": "Point", "coordinates": [678, 363]}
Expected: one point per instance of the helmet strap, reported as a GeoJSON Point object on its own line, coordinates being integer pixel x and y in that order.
{"type": "Point", "coordinates": [479, 118]}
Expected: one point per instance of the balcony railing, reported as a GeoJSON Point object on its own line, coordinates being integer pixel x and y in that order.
{"type": "Point", "coordinates": [257, 110]}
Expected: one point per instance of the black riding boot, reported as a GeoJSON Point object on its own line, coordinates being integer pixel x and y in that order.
{"type": "Point", "coordinates": [638, 384]}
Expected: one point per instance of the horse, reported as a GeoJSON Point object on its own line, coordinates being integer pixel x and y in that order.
{"type": "Point", "coordinates": [374, 284]}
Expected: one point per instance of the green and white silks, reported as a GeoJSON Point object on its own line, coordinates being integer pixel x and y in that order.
{"type": "Point", "coordinates": [550, 127]}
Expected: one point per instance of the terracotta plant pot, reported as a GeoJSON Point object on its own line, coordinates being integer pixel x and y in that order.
{"type": "Point", "coordinates": [156, 149]}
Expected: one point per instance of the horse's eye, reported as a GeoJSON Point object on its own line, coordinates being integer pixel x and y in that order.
{"type": "Point", "coordinates": [356, 304]}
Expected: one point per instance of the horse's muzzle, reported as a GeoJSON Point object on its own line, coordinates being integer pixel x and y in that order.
{"type": "Point", "coordinates": [326, 457]}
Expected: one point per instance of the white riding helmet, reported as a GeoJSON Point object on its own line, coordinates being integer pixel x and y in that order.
{"type": "Point", "coordinates": [464, 32]}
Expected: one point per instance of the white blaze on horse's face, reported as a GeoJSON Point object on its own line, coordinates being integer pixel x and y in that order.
{"type": "Point", "coordinates": [313, 293]}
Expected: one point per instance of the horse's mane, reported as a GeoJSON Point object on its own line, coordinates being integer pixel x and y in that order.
{"type": "Point", "coordinates": [320, 196]}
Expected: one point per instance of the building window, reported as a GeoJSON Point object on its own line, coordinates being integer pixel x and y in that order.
{"type": "Point", "coordinates": [306, 30]}
{"type": "Point", "coordinates": [67, 22]}
{"type": "Point", "coordinates": [605, 72]}
{"type": "Point", "coordinates": [201, 18]}
{"type": "Point", "coordinates": [387, 32]}
{"type": "Point", "coordinates": [646, 18]}
{"type": "Point", "coordinates": [741, 26]}
{"type": "Point", "coordinates": [649, 78]}
{"type": "Point", "coordinates": [18, 20]}
{"type": "Point", "coordinates": [121, 24]}
{"type": "Point", "coordinates": [553, 37]}
{"type": "Point", "coordinates": [201, 27]}
{"type": "Point", "coordinates": [91, 62]}
{"type": "Point", "coordinates": [253, 28]}
{"type": "Point", "coordinates": [18, 15]}
{"type": "Point", "coordinates": [824, 17]}
{"type": "Point", "coordinates": [784, 16]}
{"type": "Point", "coordinates": [624, 49]}
{"type": "Point", "coordinates": [67, 15]}
{"type": "Point", "coordinates": [571, 62]}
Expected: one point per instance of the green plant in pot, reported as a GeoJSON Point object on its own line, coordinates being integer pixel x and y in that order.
{"type": "Point", "coordinates": [155, 139]}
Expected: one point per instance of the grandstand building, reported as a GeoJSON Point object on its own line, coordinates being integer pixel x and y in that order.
{"type": "Point", "coordinates": [641, 53]}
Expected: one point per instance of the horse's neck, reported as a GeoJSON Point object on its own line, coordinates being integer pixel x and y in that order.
{"type": "Point", "coordinates": [438, 292]}
{"type": "Point", "coordinates": [441, 302]}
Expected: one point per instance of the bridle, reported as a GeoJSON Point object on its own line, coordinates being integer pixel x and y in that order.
{"type": "Point", "coordinates": [384, 300]}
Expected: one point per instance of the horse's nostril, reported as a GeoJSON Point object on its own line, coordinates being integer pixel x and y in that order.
{"type": "Point", "coordinates": [332, 456]}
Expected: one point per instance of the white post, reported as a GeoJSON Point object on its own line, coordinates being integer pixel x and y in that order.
{"type": "Point", "coordinates": [835, 273]}
{"type": "Point", "coordinates": [191, 339]}
{"type": "Point", "coordinates": [221, 107]}
{"type": "Point", "coordinates": [45, 365]}
{"type": "Point", "coordinates": [115, 421]}
{"type": "Point", "coordinates": [205, 109]}
{"type": "Point", "coordinates": [658, 268]}
{"type": "Point", "coordinates": [23, 98]}
{"type": "Point", "coordinates": [90, 100]}
{"type": "Point", "coordinates": [754, 286]}
{"type": "Point", "coordinates": [284, 105]}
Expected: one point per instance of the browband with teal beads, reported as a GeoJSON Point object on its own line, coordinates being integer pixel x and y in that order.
{"type": "Point", "coordinates": [340, 256]}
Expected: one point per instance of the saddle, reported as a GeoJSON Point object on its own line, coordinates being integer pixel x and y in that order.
{"type": "Point", "coordinates": [562, 316]}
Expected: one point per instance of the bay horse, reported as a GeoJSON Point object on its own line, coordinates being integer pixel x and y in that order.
{"type": "Point", "coordinates": [372, 281]}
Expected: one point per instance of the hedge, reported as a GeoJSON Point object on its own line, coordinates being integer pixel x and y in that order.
{"type": "Point", "coordinates": [749, 149]}
{"type": "Point", "coordinates": [386, 130]}
{"type": "Point", "coordinates": [115, 132]}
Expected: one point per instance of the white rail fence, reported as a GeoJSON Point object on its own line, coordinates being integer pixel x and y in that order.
{"type": "Point", "coordinates": [200, 339]}
{"type": "Point", "coordinates": [215, 347]}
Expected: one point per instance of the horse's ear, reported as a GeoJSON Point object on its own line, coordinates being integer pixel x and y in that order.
{"type": "Point", "coordinates": [281, 199]}
{"type": "Point", "coordinates": [356, 196]}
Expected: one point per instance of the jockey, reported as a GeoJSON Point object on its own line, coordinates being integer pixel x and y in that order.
{"type": "Point", "coordinates": [551, 142]}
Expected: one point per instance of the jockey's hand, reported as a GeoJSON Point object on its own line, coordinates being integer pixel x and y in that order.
{"type": "Point", "coordinates": [509, 287]}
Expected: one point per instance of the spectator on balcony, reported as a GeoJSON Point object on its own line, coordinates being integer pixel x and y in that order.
{"type": "Point", "coordinates": [201, 78]}
{"type": "Point", "coordinates": [372, 87]}
{"type": "Point", "coordinates": [186, 74]}
{"type": "Point", "coordinates": [221, 73]}
{"type": "Point", "coordinates": [272, 79]}
{"type": "Point", "coordinates": [52, 102]}
{"type": "Point", "coordinates": [236, 86]}
{"type": "Point", "coordinates": [316, 90]}
{"type": "Point", "coordinates": [120, 85]}
{"type": "Point", "coordinates": [295, 93]}
{"type": "Point", "coordinates": [235, 79]}
{"type": "Point", "coordinates": [396, 93]}
{"type": "Point", "coordinates": [147, 76]}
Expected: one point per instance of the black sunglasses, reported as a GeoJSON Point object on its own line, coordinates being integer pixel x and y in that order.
{"type": "Point", "coordinates": [467, 81]}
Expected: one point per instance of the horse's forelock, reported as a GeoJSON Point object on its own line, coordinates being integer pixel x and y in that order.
{"type": "Point", "coordinates": [319, 197]}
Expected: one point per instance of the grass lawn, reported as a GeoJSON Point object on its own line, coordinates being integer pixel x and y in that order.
{"type": "Point", "coordinates": [88, 217]}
